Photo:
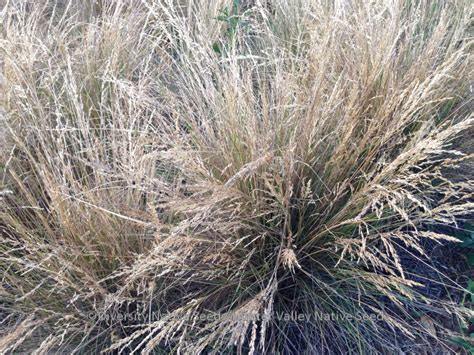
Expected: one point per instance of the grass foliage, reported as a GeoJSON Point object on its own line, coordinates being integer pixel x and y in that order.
{"type": "Point", "coordinates": [224, 163]}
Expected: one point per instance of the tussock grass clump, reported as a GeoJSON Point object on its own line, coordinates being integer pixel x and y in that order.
{"type": "Point", "coordinates": [190, 176]}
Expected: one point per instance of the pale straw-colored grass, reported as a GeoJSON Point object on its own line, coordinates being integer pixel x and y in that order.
{"type": "Point", "coordinates": [290, 156]}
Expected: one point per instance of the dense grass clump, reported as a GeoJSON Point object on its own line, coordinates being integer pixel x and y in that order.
{"type": "Point", "coordinates": [216, 176]}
